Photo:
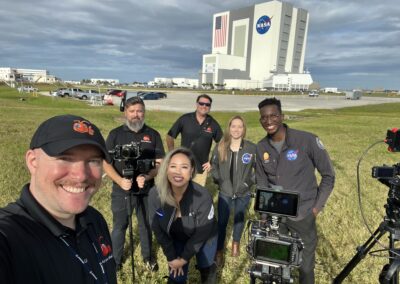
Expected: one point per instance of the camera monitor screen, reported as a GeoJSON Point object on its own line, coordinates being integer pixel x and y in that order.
{"type": "Point", "coordinates": [283, 203]}
{"type": "Point", "coordinates": [277, 252]}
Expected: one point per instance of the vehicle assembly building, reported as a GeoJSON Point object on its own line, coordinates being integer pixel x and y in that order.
{"type": "Point", "coordinates": [262, 46]}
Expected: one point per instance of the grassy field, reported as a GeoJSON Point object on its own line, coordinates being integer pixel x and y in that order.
{"type": "Point", "coordinates": [346, 133]}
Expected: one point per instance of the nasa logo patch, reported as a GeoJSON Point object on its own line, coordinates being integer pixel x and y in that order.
{"type": "Point", "coordinates": [246, 158]}
{"type": "Point", "coordinates": [291, 155]}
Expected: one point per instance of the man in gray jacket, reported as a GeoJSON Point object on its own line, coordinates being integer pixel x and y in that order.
{"type": "Point", "coordinates": [288, 158]}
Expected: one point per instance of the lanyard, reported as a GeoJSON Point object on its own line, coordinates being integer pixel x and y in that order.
{"type": "Point", "coordinates": [85, 262]}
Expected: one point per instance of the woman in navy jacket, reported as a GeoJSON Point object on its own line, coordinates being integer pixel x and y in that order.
{"type": "Point", "coordinates": [233, 164]}
{"type": "Point", "coordinates": [182, 217]}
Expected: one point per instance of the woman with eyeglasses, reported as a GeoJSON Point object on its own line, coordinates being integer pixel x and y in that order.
{"type": "Point", "coordinates": [182, 217]}
{"type": "Point", "coordinates": [233, 165]}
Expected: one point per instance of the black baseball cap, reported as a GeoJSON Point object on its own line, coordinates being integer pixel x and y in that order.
{"type": "Point", "coordinates": [60, 133]}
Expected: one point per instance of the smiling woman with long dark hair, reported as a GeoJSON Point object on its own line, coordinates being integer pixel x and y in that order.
{"type": "Point", "coordinates": [182, 218]}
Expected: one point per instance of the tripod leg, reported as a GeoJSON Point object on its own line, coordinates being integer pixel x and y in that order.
{"type": "Point", "coordinates": [389, 273]}
{"type": "Point", "coordinates": [129, 212]}
{"type": "Point", "coordinates": [361, 253]}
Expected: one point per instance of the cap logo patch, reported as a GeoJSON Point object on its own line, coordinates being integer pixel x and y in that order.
{"type": "Point", "coordinates": [291, 155]}
{"type": "Point", "coordinates": [83, 126]}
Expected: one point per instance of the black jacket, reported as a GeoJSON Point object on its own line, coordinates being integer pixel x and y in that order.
{"type": "Point", "coordinates": [198, 219]}
{"type": "Point", "coordinates": [244, 176]}
{"type": "Point", "coordinates": [32, 249]}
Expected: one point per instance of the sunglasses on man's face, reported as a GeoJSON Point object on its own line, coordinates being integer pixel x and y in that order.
{"type": "Point", "coordinates": [204, 104]}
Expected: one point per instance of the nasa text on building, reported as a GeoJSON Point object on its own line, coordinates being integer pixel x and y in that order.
{"type": "Point", "coordinates": [262, 46]}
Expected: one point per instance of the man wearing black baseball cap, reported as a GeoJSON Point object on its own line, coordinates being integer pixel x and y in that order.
{"type": "Point", "coordinates": [50, 234]}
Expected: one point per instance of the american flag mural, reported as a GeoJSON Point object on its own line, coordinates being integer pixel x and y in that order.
{"type": "Point", "coordinates": [221, 23]}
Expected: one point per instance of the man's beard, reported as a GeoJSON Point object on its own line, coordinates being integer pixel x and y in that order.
{"type": "Point", "coordinates": [135, 126]}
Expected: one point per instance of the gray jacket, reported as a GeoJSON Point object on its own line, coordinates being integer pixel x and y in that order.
{"type": "Point", "coordinates": [199, 222]}
{"type": "Point", "coordinates": [244, 176]}
{"type": "Point", "coordinates": [294, 168]}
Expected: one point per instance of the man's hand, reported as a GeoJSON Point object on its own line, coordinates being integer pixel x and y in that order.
{"type": "Point", "coordinates": [315, 211]}
{"type": "Point", "coordinates": [125, 184]}
{"type": "Point", "coordinates": [206, 167]}
{"type": "Point", "coordinates": [140, 180]}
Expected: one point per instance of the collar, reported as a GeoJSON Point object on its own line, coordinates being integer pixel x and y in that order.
{"type": "Point", "coordinates": [287, 136]}
{"type": "Point", "coordinates": [39, 214]}
{"type": "Point", "coordinates": [193, 114]}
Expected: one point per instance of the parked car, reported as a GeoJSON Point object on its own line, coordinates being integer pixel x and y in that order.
{"type": "Point", "coordinates": [150, 96]}
{"type": "Point", "coordinates": [70, 92]}
{"type": "Point", "coordinates": [89, 94]}
{"type": "Point", "coordinates": [118, 93]}
{"type": "Point", "coordinates": [313, 94]}
{"type": "Point", "coordinates": [161, 95]}
{"type": "Point", "coordinates": [27, 89]}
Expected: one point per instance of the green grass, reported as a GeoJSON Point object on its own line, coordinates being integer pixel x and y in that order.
{"type": "Point", "coordinates": [346, 133]}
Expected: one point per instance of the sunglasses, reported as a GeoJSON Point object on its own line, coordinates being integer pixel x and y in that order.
{"type": "Point", "coordinates": [204, 104]}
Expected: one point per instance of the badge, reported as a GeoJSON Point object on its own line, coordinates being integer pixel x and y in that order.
{"type": "Point", "coordinates": [160, 213]}
{"type": "Point", "coordinates": [319, 144]}
{"type": "Point", "coordinates": [208, 129]}
{"type": "Point", "coordinates": [291, 155]}
{"type": "Point", "coordinates": [246, 158]}
{"type": "Point", "coordinates": [266, 157]}
{"type": "Point", "coordinates": [146, 139]}
{"type": "Point", "coordinates": [211, 214]}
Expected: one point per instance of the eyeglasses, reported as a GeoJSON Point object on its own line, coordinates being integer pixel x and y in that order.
{"type": "Point", "coordinates": [273, 117]}
{"type": "Point", "coordinates": [204, 104]}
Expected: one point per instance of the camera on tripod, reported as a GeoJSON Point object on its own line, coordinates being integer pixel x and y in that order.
{"type": "Point", "coordinates": [273, 254]}
{"type": "Point", "coordinates": [129, 154]}
{"type": "Point", "coordinates": [389, 176]}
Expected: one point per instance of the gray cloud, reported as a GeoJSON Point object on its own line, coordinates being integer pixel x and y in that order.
{"type": "Point", "coordinates": [350, 43]}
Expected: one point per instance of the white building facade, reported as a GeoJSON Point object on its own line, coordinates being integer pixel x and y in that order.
{"type": "Point", "coordinates": [12, 75]}
{"type": "Point", "coordinates": [174, 82]}
{"type": "Point", "coordinates": [95, 81]}
{"type": "Point", "coordinates": [257, 43]}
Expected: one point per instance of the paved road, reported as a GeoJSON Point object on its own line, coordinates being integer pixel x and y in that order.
{"type": "Point", "coordinates": [184, 101]}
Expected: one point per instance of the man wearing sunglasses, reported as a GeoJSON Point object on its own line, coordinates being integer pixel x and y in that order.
{"type": "Point", "coordinates": [198, 129]}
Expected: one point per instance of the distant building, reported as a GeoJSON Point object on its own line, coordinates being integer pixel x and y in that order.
{"type": "Point", "coordinates": [174, 82]}
{"type": "Point", "coordinates": [71, 82]}
{"type": "Point", "coordinates": [12, 75]}
{"type": "Point", "coordinates": [95, 81]}
{"type": "Point", "coordinates": [262, 46]}
{"type": "Point", "coordinates": [185, 83]}
{"type": "Point", "coordinates": [330, 90]}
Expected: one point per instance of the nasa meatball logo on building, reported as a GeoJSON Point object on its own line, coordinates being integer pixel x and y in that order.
{"type": "Point", "coordinates": [263, 24]}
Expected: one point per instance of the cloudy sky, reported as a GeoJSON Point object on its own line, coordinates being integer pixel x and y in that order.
{"type": "Point", "coordinates": [350, 43]}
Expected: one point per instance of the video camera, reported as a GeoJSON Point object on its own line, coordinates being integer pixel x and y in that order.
{"type": "Point", "coordinates": [389, 176]}
{"type": "Point", "coordinates": [273, 254]}
{"type": "Point", "coordinates": [129, 154]}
